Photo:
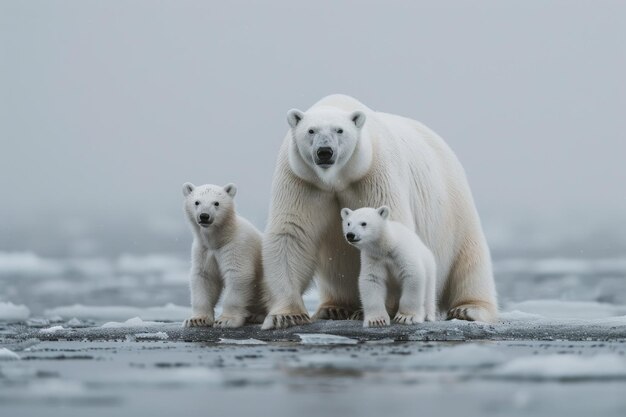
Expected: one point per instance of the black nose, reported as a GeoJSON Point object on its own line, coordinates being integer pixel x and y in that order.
{"type": "Point", "coordinates": [324, 154]}
{"type": "Point", "coordinates": [204, 217]}
{"type": "Point", "coordinates": [350, 236]}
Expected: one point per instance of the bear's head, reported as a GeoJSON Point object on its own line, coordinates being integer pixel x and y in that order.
{"type": "Point", "coordinates": [325, 138]}
{"type": "Point", "coordinates": [209, 205]}
{"type": "Point", "coordinates": [364, 226]}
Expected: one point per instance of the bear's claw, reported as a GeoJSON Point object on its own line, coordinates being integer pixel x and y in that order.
{"type": "Point", "coordinates": [230, 321]}
{"type": "Point", "coordinates": [282, 321]}
{"type": "Point", "coordinates": [379, 321]}
{"type": "Point", "coordinates": [470, 312]}
{"type": "Point", "coordinates": [198, 321]}
{"type": "Point", "coordinates": [333, 313]}
{"type": "Point", "coordinates": [407, 319]}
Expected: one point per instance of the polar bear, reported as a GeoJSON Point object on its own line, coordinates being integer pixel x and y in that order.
{"type": "Point", "coordinates": [398, 271]}
{"type": "Point", "coordinates": [340, 153]}
{"type": "Point", "coordinates": [225, 255]}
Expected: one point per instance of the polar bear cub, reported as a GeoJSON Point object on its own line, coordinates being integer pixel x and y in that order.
{"type": "Point", "coordinates": [391, 251]}
{"type": "Point", "coordinates": [225, 257]}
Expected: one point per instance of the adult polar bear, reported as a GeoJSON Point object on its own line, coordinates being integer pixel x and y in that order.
{"type": "Point", "coordinates": [340, 153]}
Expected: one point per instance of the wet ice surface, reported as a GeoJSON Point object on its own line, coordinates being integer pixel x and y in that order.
{"type": "Point", "coordinates": [291, 378]}
{"type": "Point", "coordinates": [103, 337]}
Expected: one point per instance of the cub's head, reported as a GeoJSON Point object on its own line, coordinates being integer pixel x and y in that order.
{"type": "Point", "coordinates": [363, 226]}
{"type": "Point", "coordinates": [325, 137]}
{"type": "Point", "coordinates": [209, 205]}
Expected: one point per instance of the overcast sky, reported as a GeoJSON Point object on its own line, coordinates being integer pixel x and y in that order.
{"type": "Point", "coordinates": [106, 108]}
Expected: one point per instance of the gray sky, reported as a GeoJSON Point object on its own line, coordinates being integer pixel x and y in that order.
{"type": "Point", "coordinates": [106, 108]}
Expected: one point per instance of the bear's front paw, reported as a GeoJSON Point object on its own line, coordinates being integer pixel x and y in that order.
{"type": "Point", "coordinates": [198, 321]}
{"type": "Point", "coordinates": [282, 321]}
{"type": "Point", "coordinates": [376, 321]}
{"type": "Point", "coordinates": [230, 321]}
{"type": "Point", "coordinates": [408, 318]}
{"type": "Point", "coordinates": [471, 312]}
{"type": "Point", "coordinates": [332, 313]}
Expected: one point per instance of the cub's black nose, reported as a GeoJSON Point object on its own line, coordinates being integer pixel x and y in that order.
{"type": "Point", "coordinates": [204, 217]}
{"type": "Point", "coordinates": [350, 236]}
{"type": "Point", "coordinates": [324, 154]}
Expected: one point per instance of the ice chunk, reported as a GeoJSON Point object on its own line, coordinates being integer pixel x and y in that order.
{"type": "Point", "coordinates": [8, 355]}
{"type": "Point", "coordinates": [169, 312]}
{"type": "Point", "coordinates": [51, 330]}
{"type": "Point", "coordinates": [13, 313]}
{"type": "Point", "coordinates": [74, 322]}
{"type": "Point", "coordinates": [134, 322]}
{"type": "Point", "coordinates": [27, 263]}
{"type": "Point", "coordinates": [558, 309]}
{"type": "Point", "coordinates": [325, 339]}
{"type": "Point", "coordinates": [242, 342]}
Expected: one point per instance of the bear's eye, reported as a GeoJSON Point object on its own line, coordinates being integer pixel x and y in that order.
{"type": "Point", "coordinates": [197, 203]}
{"type": "Point", "coordinates": [340, 131]}
{"type": "Point", "coordinates": [216, 203]}
{"type": "Point", "coordinates": [348, 223]}
{"type": "Point", "coordinates": [363, 224]}
{"type": "Point", "coordinates": [311, 131]}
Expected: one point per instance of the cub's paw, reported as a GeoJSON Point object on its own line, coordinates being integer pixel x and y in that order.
{"type": "Point", "coordinates": [376, 321]}
{"type": "Point", "coordinates": [282, 321]}
{"type": "Point", "coordinates": [408, 318]}
{"type": "Point", "coordinates": [357, 315]}
{"type": "Point", "coordinates": [198, 321]}
{"type": "Point", "coordinates": [230, 321]}
{"type": "Point", "coordinates": [332, 313]}
{"type": "Point", "coordinates": [471, 312]}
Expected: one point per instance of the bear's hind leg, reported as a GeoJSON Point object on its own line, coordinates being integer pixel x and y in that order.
{"type": "Point", "coordinates": [470, 291]}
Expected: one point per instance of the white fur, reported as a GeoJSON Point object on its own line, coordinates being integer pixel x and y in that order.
{"type": "Point", "coordinates": [225, 257]}
{"type": "Point", "coordinates": [381, 160]}
{"type": "Point", "coordinates": [391, 251]}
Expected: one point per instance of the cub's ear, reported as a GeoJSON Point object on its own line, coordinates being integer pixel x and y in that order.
{"type": "Point", "coordinates": [231, 189]}
{"type": "Point", "coordinates": [345, 212]}
{"type": "Point", "coordinates": [358, 117]}
{"type": "Point", "coordinates": [188, 188]}
{"type": "Point", "coordinates": [383, 212]}
{"type": "Point", "coordinates": [293, 117]}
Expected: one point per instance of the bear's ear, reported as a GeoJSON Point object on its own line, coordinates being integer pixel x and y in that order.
{"type": "Point", "coordinates": [383, 212]}
{"type": "Point", "coordinates": [345, 212]}
{"type": "Point", "coordinates": [293, 117]}
{"type": "Point", "coordinates": [231, 189]}
{"type": "Point", "coordinates": [358, 117]}
{"type": "Point", "coordinates": [188, 188]}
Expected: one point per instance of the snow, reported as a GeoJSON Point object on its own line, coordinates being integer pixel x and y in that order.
{"type": "Point", "coordinates": [74, 322]}
{"type": "Point", "coordinates": [13, 313]}
{"type": "Point", "coordinates": [564, 367]}
{"type": "Point", "coordinates": [151, 336]}
{"type": "Point", "coordinates": [168, 312]}
{"type": "Point", "coordinates": [324, 339]}
{"type": "Point", "coordinates": [51, 330]}
{"type": "Point", "coordinates": [8, 355]}
{"type": "Point", "coordinates": [134, 322]}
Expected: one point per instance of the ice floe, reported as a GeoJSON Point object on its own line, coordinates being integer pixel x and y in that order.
{"type": "Point", "coordinates": [12, 313]}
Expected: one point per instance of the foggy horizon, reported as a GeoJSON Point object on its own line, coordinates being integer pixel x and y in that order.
{"type": "Point", "coordinates": [108, 108]}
